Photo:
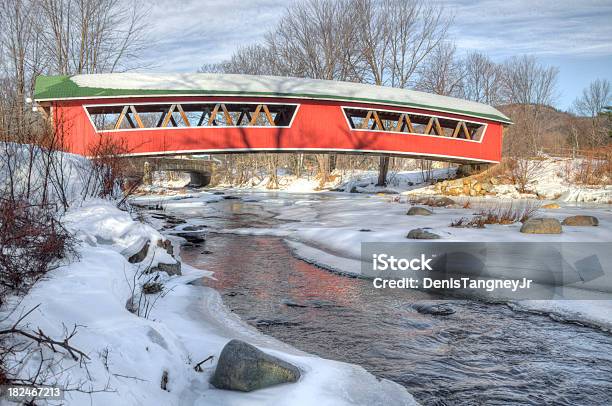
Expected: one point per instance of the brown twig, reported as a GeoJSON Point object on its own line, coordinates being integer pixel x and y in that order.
{"type": "Point", "coordinates": [198, 367]}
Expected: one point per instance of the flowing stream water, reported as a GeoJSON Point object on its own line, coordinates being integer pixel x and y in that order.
{"type": "Point", "coordinates": [483, 354]}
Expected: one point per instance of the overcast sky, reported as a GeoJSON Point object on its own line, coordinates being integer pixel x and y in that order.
{"type": "Point", "coordinates": [574, 35]}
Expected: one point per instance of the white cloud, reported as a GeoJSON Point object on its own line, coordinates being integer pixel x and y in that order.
{"type": "Point", "coordinates": [188, 34]}
{"type": "Point", "coordinates": [547, 28]}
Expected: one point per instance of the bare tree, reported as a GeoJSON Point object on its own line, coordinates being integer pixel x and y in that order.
{"type": "Point", "coordinates": [591, 104]}
{"type": "Point", "coordinates": [91, 36]}
{"type": "Point", "coordinates": [21, 60]}
{"type": "Point", "coordinates": [416, 28]}
{"type": "Point", "coordinates": [527, 82]}
{"type": "Point", "coordinates": [317, 39]}
{"type": "Point", "coordinates": [443, 72]}
{"type": "Point", "coordinates": [251, 59]}
{"type": "Point", "coordinates": [530, 88]}
{"type": "Point", "coordinates": [482, 79]}
{"type": "Point", "coordinates": [395, 37]}
{"type": "Point", "coordinates": [374, 36]}
{"type": "Point", "coordinates": [594, 98]}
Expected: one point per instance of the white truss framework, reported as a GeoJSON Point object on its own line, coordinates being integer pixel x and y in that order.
{"type": "Point", "coordinates": [363, 119]}
{"type": "Point", "coordinates": [146, 116]}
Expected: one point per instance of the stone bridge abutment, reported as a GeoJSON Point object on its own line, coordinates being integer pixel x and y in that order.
{"type": "Point", "coordinates": [200, 170]}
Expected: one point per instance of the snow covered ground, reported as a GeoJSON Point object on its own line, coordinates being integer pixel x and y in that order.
{"type": "Point", "coordinates": [128, 354]}
{"type": "Point", "coordinates": [358, 181]}
{"type": "Point", "coordinates": [549, 178]}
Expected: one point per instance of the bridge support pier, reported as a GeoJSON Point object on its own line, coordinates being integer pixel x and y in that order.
{"type": "Point", "coordinates": [198, 179]}
{"type": "Point", "coordinates": [147, 177]}
{"type": "Point", "coordinates": [383, 168]}
{"type": "Point", "coordinates": [200, 171]}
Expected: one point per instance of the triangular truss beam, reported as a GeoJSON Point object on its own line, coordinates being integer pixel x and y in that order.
{"type": "Point", "coordinates": [411, 123]}
{"type": "Point", "coordinates": [229, 114]}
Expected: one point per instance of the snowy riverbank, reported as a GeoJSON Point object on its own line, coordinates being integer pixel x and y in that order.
{"type": "Point", "coordinates": [328, 229]}
{"type": "Point", "coordinates": [128, 354]}
{"type": "Point", "coordinates": [548, 177]}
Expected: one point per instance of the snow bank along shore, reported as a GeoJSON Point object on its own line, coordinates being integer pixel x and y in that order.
{"type": "Point", "coordinates": [128, 354]}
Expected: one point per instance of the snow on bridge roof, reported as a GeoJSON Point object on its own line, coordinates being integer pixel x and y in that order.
{"type": "Point", "coordinates": [108, 85]}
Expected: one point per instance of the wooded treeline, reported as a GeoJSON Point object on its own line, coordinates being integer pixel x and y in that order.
{"type": "Point", "coordinates": [407, 44]}
{"type": "Point", "coordinates": [399, 43]}
{"type": "Point", "coordinates": [37, 183]}
{"type": "Point", "coordinates": [61, 37]}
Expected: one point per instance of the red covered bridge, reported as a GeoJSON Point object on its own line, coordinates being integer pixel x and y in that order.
{"type": "Point", "coordinates": [157, 114]}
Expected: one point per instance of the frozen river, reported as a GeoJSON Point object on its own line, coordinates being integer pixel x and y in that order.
{"type": "Point", "coordinates": [480, 354]}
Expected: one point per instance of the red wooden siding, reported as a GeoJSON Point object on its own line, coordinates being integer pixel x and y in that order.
{"type": "Point", "coordinates": [318, 125]}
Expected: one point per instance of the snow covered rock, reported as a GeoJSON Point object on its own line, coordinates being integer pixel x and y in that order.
{"type": "Point", "coordinates": [581, 221]}
{"type": "Point", "coordinates": [170, 269]}
{"type": "Point", "coordinates": [140, 255]}
{"type": "Point", "coordinates": [541, 226]}
{"type": "Point", "coordinates": [436, 201]}
{"type": "Point", "coordinates": [419, 211]}
{"type": "Point", "coordinates": [422, 234]}
{"type": "Point", "coordinates": [166, 245]}
{"type": "Point", "coordinates": [245, 368]}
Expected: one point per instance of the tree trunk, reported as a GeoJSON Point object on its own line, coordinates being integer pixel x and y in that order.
{"type": "Point", "coordinates": [332, 162]}
{"type": "Point", "coordinates": [322, 169]}
{"type": "Point", "coordinates": [272, 171]}
{"type": "Point", "coordinates": [383, 168]}
{"type": "Point", "coordinates": [299, 165]}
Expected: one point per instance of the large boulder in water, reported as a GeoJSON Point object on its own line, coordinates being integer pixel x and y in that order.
{"type": "Point", "coordinates": [436, 309]}
{"type": "Point", "coordinates": [245, 368]}
{"type": "Point", "coordinates": [422, 234]}
{"type": "Point", "coordinates": [419, 211]}
{"type": "Point", "coordinates": [581, 221]}
{"type": "Point", "coordinates": [541, 226]}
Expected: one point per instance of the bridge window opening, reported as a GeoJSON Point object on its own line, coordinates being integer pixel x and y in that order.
{"type": "Point", "coordinates": [410, 123]}
{"type": "Point", "coordinates": [180, 115]}
{"type": "Point", "coordinates": [105, 121]}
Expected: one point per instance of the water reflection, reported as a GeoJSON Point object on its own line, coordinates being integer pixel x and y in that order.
{"type": "Point", "coordinates": [482, 354]}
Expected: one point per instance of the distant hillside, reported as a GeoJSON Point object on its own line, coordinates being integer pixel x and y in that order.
{"type": "Point", "coordinates": [558, 130]}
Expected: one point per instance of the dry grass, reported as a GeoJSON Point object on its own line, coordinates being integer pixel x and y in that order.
{"type": "Point", "coordinates": [509, 214]}
{"type": "Point", "coordinates": [499, 214]}
{"type": "Point", "coordinates": [495, 171]}
{"type": "Point", "coordinates": [464, 222]}
{"type": "Point", "coordinates": [32, 242]}
{"type": "Point", "coordinates": [595, 168]}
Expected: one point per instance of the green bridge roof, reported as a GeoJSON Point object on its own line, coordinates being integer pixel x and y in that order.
{"type": "Point", "coordinates": [109, 85]}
